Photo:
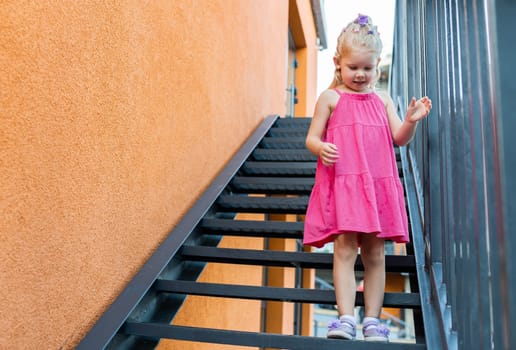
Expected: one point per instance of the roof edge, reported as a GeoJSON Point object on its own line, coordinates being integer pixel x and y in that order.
{"type": "Point", "coordinates": [320, 23]}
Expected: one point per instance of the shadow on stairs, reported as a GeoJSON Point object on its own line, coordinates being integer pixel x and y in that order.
{"type": "Point", "coordinates": [275, 167]}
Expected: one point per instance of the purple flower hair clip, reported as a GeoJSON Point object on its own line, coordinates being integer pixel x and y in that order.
{"type": "Point", "coordinates": [362, 19]}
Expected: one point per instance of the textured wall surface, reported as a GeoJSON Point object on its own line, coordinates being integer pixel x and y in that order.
{"type": "Point", "coordinates": [115, 115]}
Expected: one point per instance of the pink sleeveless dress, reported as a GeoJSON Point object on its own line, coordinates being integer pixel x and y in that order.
{"type": "Point", "coordinates": [362, 192]}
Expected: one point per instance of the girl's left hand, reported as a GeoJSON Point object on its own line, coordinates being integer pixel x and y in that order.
{"type": "Point", "coordinates": [419, 109]}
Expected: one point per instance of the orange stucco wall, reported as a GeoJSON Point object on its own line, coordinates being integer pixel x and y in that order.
{"type": "Point", "coordinates": [305, 38]}
{"type": "Point", "coordinates": [115, 115]}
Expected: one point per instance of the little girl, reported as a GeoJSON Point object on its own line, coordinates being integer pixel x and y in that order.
{"type": "Point", "coordinates": [357, 200]}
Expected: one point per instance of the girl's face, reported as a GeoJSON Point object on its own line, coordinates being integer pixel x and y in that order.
{"type": "Point", "coordinates": [358, 68]}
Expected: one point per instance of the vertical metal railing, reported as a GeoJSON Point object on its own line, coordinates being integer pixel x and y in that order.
{"type": "Point", "coordinates": [500, 16]}
{"type": "Point", "coordinates": [457, 52]}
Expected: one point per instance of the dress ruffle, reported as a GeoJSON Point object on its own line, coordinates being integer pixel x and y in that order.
{"type": "Point", "coordinates": [370, 206]}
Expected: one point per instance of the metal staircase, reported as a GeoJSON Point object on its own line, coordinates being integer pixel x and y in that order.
{"type": "Point", "coordinates": [273, 163]}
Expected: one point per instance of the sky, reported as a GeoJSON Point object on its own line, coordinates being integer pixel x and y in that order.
{"type": "Point", "coordinates": [338, 13]}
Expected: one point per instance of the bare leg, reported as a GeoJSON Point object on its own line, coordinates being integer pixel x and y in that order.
{"type": "Point", "coordinates": [344, 257]}
{"type": "Point", "coordinates": [373, 256]}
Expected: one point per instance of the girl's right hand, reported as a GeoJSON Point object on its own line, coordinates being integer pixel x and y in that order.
{"type": "Point", "coordinates": [328, 153]}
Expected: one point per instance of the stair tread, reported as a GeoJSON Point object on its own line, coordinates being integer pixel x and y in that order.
{"type": "Point", "coordinates": [287, 165]}
{"type": "Point", "coordinates": [283, 142]}
{"type": "Point", "coordinates": [293, 122]}
{"type": "Point", "coordinates": [287, 139]}
{"type": "Point", "coordinates": [264, 228]}
{"type": "Point", "coordinates": [294, 155]}
{"type": "Point", "coordinates": [301, 295]}
{"type": "Point", "coordinates": [298, 131]}
{"type": "Point", "coordinates": [393, 263]}
{"type": "Point", "coordinates": [279, 168]}
{"type": "Point", "coordinates": [247, 338]}
{"type": "Point", "coordinates": [247, 204]}
{"type": "Point", "coordinates": [286, 168]}
{"type": "Point", "coordinates": [254, 184]}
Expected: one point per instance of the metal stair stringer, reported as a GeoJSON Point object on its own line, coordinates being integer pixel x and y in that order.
{"type": "Point", "coordinates": [137, 298]}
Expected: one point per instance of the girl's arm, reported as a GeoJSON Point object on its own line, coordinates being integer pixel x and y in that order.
{"type": "Point", "coordinates": [402, 132]}
{"type": "Point", "coordinates": [328, 152]}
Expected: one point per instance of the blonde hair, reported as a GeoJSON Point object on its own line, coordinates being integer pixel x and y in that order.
{"type": "Point", "coordinates": [359, 33]}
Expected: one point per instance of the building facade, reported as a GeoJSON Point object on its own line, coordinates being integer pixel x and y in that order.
{"type": "Point", "coordinates": [115, 118]}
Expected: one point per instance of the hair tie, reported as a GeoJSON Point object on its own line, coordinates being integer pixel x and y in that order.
{"type": "Point", "coordinates": [362, 21]}
{"type": "Point", "coordinates": [373, 31]}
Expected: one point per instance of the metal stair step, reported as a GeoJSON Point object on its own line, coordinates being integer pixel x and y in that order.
{"type": "Point", "coordinates": [293, 122]}
{"type": "Point", "coordinates": [287, 185]}
{"type": "Point", "coordinates": [255, 339]}
{"type": "Point", "coordinates": [297, 131]}
{"type": "Point", "coordinates": [297, 155]}
{"type": "Point", "coordinates": [251, 228]}
{"type": "Point", "coordinates": [279, 205]}
{"type": "Point", "coordinates": [279, 168]}
{"type": "Point", "coordinates": [283, 142]}
{"type": "Point", "coordinates": [393, 263]}
{"type": "Point", "coordinates": [283, 155]}
{"type": "Point", "coordinates": [299, 295]}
